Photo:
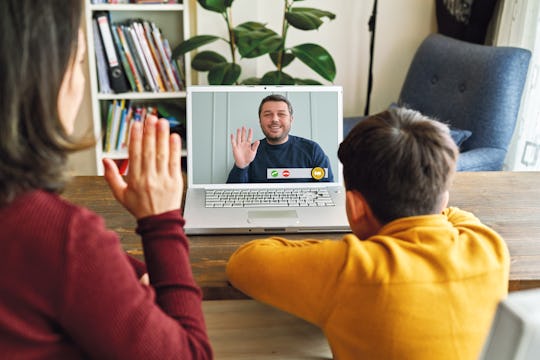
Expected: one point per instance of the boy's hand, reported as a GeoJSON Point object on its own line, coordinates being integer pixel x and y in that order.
{"type": "Point", "coordinates": [154, 183]}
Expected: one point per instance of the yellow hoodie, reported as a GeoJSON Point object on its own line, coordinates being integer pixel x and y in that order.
{"type": "Point", "coordinates": [424, 287]}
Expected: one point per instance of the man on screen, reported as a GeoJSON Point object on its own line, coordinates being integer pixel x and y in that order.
{"type": "Point", "coordinates": [279, 157]}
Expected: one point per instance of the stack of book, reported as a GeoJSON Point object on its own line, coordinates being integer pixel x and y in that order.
{"type": "Point", "coordinates": [134, 56]}
{"type": "Point", "coordinates": [120, 114]}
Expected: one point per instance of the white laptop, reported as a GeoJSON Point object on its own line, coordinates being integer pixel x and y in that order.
{"type": "Point", "coordinates": [213, 206]}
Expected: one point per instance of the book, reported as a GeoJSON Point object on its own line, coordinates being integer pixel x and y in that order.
{"type": "Point", "coordinates": [121, 51]}
{"type": "Point", "coordinates": [158, 40]}
{"type": "Point", "coordinates": [101, 62]}
{"type": "Point", "coordinates": [122, 141]}
{"type": "Point", "coordinates": [115, 125]}
{"type": "Point", "coordinates": [108, 127]}
{"type": "Point", "coordinates": [177, 66]}
{"type": "Point", "coordinates": [135, 40]}
{"type": "Point", "coordinates": [117, 77]}
{"type": "Point", "coordinates": [129, 56]}
{"type": "Point", "coordinates": [121, 125]}
{"type": "Point", "coordinates": [145, 82]}
{"type": "Point", "coordinates": [156, 56]}
{"type": "Point", "coordinates": [148, 55]}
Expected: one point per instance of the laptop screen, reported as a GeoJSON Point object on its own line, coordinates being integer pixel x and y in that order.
{"type": "Point", "coordinates": [216, 112]}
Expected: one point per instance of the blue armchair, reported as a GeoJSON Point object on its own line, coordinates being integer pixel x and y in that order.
{"type": "Point", "coordinates": [476, 89]}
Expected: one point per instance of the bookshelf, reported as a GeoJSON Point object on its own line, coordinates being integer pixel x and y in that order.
{"type": "Point", "coordinates": [173, 22]}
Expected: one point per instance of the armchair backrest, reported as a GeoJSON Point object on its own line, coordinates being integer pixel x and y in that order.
{"type": "Point", "coordinates": [468, 86]}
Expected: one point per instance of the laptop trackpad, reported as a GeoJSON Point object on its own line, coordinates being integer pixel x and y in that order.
{"type": "Point", "coordinates": [272, 217]}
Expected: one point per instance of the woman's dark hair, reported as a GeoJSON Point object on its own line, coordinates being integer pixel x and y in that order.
{"type": "Point", "coordinates": [400, 161]}
{"type": "Point", "coordinates": [276, 97]}
{"type": "Point", "coordinates": [38, 42]}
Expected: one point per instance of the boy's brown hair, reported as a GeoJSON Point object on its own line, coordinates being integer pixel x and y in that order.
{"type": "Point", "coordinates": [401, 162]}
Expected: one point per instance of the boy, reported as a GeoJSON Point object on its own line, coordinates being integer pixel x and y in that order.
{"type": "Point", "coordinates": [416, 280]}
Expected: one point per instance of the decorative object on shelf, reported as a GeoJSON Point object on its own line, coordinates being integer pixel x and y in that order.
{"type": "Point", "coordinates": [254, 39]}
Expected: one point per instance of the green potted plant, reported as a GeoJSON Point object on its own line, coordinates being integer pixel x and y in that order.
{"type": "Point", "coordinates": [254, 39]}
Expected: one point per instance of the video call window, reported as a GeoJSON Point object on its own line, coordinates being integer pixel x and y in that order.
{"type": "Point", "coordinates": [214, 113]}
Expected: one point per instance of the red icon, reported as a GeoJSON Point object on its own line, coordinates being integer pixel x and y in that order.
{"type": "Point", "coordinates": [286, 173]}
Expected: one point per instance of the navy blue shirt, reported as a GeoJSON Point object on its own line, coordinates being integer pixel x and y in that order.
{"type": "Point", "coordinates": [297, 152]}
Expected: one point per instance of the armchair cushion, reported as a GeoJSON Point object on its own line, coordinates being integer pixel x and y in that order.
{"type": "Point", "coordinates": [481, 159]}
{"type": "Point", "coordinates": [459, 136]}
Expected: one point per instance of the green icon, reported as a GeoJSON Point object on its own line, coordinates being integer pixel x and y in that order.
{"type": "Point", "coordinates": [274, 173]}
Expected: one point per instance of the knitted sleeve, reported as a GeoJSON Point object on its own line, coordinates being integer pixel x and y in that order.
{"type": "Point", "coordinates": [109, 314]}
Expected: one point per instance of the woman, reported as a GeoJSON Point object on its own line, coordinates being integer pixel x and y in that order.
{"type": "Point", "coordinates": [66, 288]}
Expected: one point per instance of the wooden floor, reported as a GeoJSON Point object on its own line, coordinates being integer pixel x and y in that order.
{"type": "Point", "coordinates": [248, 329]}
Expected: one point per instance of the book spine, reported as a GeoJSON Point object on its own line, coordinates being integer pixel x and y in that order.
{"type": "Point", "coordinates": [110, 117]}
{"type": "Point", "coordinates": [129, 56]}
{"type": "Point", "coordinates": [148, 56]}
{"type": "Point", "coordinates": [125, 131]}
{"type": "Point", "coordinates": [136, 42]}
{"type": "Point", "coordinates": [155, 55]}
{"type": "Point", "coordinates": [123, 58]}
{"type": "Point", "coordinates": [166, 59]}
{"type": "Point", "coordinates": [116, 124]}
{"type": "Point", "coordinates": [101, 62]}
{"type": "Point", "coordinates": [145, 82]}
{"type": "Point", "coordinates": [117, 77]}
{"type": "Point", "coordinates": [177, 66]}
{"type": "Point", "coordinates": [121, 130]}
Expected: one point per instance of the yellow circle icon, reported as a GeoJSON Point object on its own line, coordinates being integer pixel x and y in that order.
{"type": "Point", "coordinates": [317, 173]}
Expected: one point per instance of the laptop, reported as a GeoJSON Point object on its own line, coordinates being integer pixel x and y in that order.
{"type": "Point", "coordinates": [313, 201]}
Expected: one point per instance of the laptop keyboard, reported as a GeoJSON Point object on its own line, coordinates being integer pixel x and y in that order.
{"type": "Point", "coordinates": [234, 198]}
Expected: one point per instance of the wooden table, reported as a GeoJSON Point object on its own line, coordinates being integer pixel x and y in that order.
{"type": "Point", "coordinates": [509, 202]}
{"type": "Point", "coordinates": [248, 329]}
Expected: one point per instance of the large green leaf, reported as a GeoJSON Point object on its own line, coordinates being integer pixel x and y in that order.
{"type": "Point", "coordinates": [224, 74]}
{"type": "Point", "coordinates": [287, 58]}
{"type": "Point", "coordinates": [219, 6]}
{"type": "Point", "coordinates": [307, 18]}
{"type": "Point", "coordinates": [277, 78]}
{"type": "Point", "coordinates": [251, 81]}
{"type": "Point", "coordinates": [317, 58]}
{"type": "Point", "coordinates": [314, 12]}
{"type": "Point", "coordinates": [206, 60]}
{"type": "Point", "coordinates": [250, 26]}
{"type": "Point", "coordinates": [193, 43]}
{"type": "Point", "coordinates": [306, 82]}
{"type": "Point", "coordinates": [255, 39]}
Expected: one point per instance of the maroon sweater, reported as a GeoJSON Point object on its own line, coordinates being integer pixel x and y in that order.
{"type": "Point", "coordinates": [68, 291]}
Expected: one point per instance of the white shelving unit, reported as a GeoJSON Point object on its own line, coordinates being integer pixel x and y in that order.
{"type": "Point", "coordinates": [173, 20]}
